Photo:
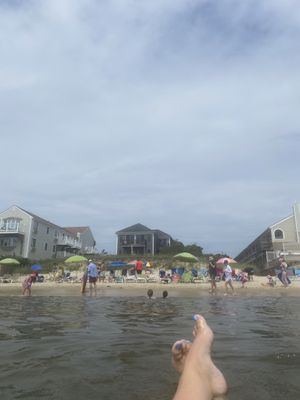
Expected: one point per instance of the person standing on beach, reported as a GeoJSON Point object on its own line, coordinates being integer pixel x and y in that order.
{"type": "Point", "coordinates": [92, 274]}
{"type": "Point", "coordinates": [228, 277]}
{"type": "Point", "coordinates": [284, 277]}
{"type": "Point", "coordinates": [212, 272]}
{"type": "Point", "coordinates": [139, 266]}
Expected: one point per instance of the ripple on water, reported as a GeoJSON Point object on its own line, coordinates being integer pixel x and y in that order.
{"type": "Point", "coordinates": [109, 347]}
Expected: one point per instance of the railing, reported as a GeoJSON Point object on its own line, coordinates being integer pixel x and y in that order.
{"type": "Point", "coordinates": [130, 242]}
{"type": "Point", "coordinates": [69, 242]}
{"type": "Point", "coordinates": [4, 229]}
{"type": "Point", "coordinates": [89, 250]}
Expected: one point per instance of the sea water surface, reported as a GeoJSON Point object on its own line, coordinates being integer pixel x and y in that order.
{"type": "Point", "coordinates": [99, 347]}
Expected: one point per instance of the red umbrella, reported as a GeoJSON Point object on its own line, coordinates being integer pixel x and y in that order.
{"type": "Point", "coordinates": [230, 260]}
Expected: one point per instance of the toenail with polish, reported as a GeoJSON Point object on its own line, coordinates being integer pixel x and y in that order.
{"type": "Point", "coordinates": [178, 346]}
{"type": "Point", "coordinates": [195, 317]}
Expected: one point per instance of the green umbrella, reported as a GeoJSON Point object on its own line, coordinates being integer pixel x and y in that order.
{"type": "Point", "coordinates": [9, 261]}
{"type": "Point", "coordinates": [75, 259]}
{"type": "Point", "coordinates": [185, 257]}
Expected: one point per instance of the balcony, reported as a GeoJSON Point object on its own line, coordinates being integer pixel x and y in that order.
{"type": "Point", "coordinates": [7, 230]}
{"type": "Point", "coordinates": [69, 242]}
{"type": "Point", "coordinates": [137, 242]}
{"type": "Point", "coordinates": [89, 250]}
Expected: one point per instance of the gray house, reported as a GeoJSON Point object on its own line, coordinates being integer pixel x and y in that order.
{"type": "Point", "coordinates": [27, 235]}
{"type": "Point", "coordinates": [140, 240]}
{"type": "Point", "coordinates": [84, 234]}
{"type": "Point", "coordinates": [281, 238]}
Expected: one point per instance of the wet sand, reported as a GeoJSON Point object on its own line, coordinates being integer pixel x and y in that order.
{"type": "Point", "coordinates": [50, 288]}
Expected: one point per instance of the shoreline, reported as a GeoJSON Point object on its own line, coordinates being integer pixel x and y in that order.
{"type": "Point", "coordinates": [50, 288]}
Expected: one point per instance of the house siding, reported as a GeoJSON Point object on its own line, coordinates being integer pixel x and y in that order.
{"type": "Point", "coordinates": [266, 248]}
{"type": "Point", "coordinates": [36, 238]}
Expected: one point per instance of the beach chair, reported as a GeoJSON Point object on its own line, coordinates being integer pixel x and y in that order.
{"type": "Point", "coordinates": [119, 279]}
{"type": "Point", "coordinates": [141, 279]}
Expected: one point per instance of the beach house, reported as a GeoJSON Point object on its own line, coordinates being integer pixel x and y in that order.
{"type": "Point", "coordinates": [140, 240]}
{"type": "Point", "coordinates": [27, 235]}
{"type": "Point", "coordinates": [280, 238]}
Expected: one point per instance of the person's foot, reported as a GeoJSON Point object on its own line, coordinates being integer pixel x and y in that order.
{"type": "Point", "coordinates": [196, 356]}
{"type": "Point", "coordinates": [180, 350]}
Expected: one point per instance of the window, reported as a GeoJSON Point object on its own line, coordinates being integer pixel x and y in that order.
{"type": "Point", "coordinates": [54, 249]}
{"type": "Point", "coordinates": [46, 246]}
{"type": "Point", "coordinates": [35, 227]}
{"type": "Point", "coordinates": [33, 243]}
{"type": "Point", "coordinates": [278, 234]}
{"type": "Point", "coordinates": [48, 229]}
{"type": "Point", "coordinates": [12, 224]}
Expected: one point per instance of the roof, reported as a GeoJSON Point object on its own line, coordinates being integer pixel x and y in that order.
{"type": "Point", "coordinates": [41, 219]}
{"type": "Point", "coordinates": [75, 229]}
{"type": "Point", "coordinates": [161, 232]}
{"type": "Point", "coordinates": [135, 228]}
{"type": "Point", "coordinates": [72, 230]}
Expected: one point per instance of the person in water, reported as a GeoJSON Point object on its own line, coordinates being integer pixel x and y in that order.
{"type": "Point", "coordinates": [228, 277]}
{"type": "Point", "coordinates": [26, 285]}
{"type": "Point", "coordinates": [212, 272]}
{"type": "Point", "coordinates": [165, 294]}
{"type": "Point", "coordinates": [200, 378]}
{"type": "Point", "coordinates": [150, 293]}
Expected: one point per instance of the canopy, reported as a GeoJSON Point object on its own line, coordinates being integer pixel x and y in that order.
{"type": "Point", "coordinates": [75, 259]}
{"type": "Point", "coordinates": [186, 257]}
{"type": "Point", "coordinates": [9, 261]}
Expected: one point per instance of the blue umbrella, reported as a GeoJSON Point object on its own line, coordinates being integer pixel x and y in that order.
{"type": "Point", "coordinates": [36, 267]}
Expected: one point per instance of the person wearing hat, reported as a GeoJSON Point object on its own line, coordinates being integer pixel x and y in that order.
{"type": "Point", "coordinates": [212, 272]}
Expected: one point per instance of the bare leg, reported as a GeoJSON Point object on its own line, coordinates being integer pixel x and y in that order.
{"type": "Point", "coordinates": [231, 287]}
{"type": "Point", "coordinates": [200, 379]}
{"type": "Point", "coordinates": [213, 286]}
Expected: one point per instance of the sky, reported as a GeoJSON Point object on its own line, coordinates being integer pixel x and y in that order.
{"type": "Point", "coordinates": [182, 115]}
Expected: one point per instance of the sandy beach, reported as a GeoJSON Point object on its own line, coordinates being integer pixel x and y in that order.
{"type": "Point", "coordinates": [253, 288]}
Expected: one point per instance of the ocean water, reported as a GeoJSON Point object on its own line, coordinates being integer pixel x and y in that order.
{"type": "Point", "coordinates": [100, 347]}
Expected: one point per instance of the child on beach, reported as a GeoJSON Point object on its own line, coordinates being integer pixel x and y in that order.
{"type": "Point", "coordinates": [26, 285]}
{"type": "Point", "coordinates": [244, 278]}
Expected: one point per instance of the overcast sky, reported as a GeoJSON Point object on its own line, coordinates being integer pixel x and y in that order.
{"type": "Point", "coordinates": [182, 115]}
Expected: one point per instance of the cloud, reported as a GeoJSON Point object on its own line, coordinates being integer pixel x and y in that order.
{"type": "Point", "coordinates": [181, 115]}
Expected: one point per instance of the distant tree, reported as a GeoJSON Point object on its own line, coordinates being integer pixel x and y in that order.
{"type": "Point", "coordinates": [194, 249]}
{"type": "Point", "coordinates": [175, 247]}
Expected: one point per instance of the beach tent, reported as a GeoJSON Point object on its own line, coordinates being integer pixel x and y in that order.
{"type": "Point", "coordinates": [119, 265]}
{"type": "Point", "coordinates": [187, 277]}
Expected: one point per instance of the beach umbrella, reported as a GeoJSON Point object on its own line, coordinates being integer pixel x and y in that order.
{"type": "Point", "coordinates": [75, 259]}
{"type": "Point", "coordinates": [230, 260]}
{"type": "Point", "coordinates": [36, 267]}
{"type": "Point", "coordinates": [9, 261]}
{"type": "Point", "coordinates": [186, 257]}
